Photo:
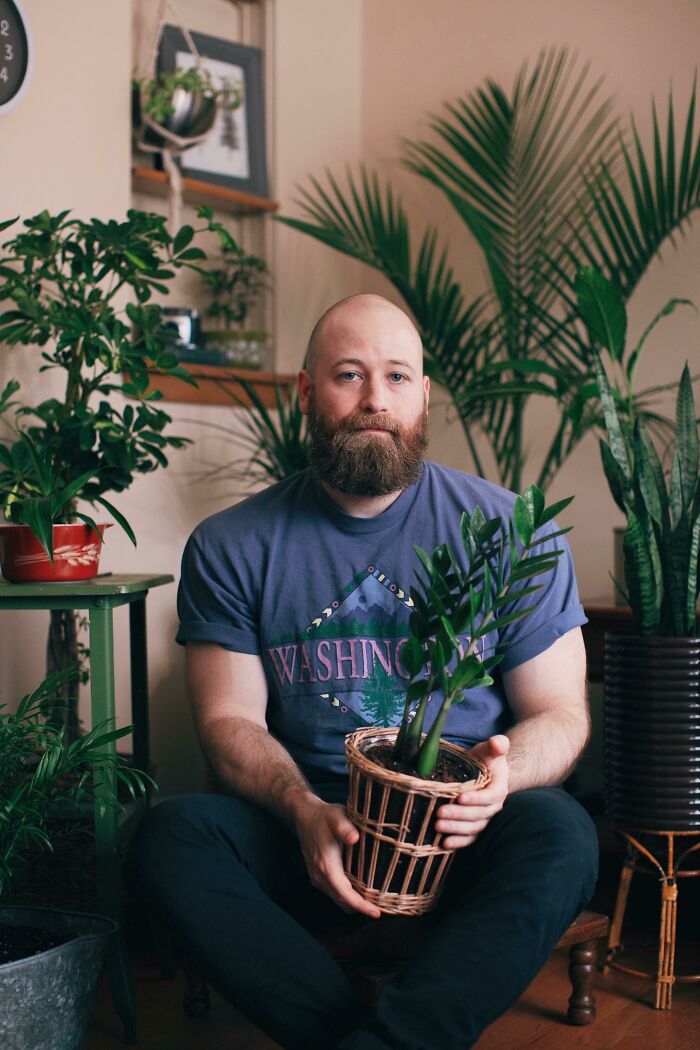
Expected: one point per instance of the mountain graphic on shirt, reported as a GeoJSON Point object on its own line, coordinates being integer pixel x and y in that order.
{"type": "Point", "coordinates": [371, 604]}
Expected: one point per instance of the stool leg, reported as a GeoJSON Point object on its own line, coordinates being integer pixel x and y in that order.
{"type": "Point", "coordinates": [665, 975]}
{"type": "Point", "coordinates": [582, 962]}
{"type": "Point", "coordinates": [623, 890]}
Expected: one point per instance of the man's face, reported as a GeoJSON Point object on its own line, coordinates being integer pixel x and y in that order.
{"type": "Point", "coordinates": [367, 402]}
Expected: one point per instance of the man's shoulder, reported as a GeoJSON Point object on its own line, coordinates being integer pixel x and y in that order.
{"type": "Point", "coordinates": [256, 513]}
{"type": "Point", "coordinates": [469, 490]}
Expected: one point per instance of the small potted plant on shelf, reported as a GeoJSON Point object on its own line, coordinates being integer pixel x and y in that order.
{"type": "Point", "coordinates": [235, 286]}
{"type": "Point", "coordinates": [183, 103]}
{"type": "Point", "coordinates": [50, 960]}
{"type": "Point", "coordinates": [651, 735]}
{"type": "Point", "coordinates": [81, 291]}
{"type": "Point", "coordinates": [399, 778]}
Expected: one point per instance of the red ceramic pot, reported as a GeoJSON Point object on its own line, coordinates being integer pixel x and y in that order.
{"type": "Point", "coordinates": [76, 554]}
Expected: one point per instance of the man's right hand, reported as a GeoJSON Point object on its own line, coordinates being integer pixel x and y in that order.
{"type": "Point", "coordinates": [324, 830]}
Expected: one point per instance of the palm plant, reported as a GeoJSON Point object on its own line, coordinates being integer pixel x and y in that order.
{"type": "Point", "coordinates": [40, 770]}
{"type": "Point", "coordinates": [545, 181]}
{"type": "Point", "coordinates": [276, 446]}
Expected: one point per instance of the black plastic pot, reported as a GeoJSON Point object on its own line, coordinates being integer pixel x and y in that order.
{"type": "Point", "coordinates": [48, 999]}
{"type": "Point", "coordinates": [652, 732]}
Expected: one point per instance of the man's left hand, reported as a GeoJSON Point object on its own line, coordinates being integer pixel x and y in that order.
{"type": "Point", "coordinates": [463, 820]}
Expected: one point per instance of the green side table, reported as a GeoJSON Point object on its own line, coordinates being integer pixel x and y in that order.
{"type": "Point", "coordinates": [100, 597]}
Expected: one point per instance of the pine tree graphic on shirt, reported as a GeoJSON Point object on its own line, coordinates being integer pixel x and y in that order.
{"type": "Point", "coordinates": [381, 704]}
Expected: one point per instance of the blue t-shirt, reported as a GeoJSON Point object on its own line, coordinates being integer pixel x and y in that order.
{"type": "Point", "coordinates": [323, 598]}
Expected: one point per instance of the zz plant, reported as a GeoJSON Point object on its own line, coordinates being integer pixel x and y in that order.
{"type": "Point", "coordinates": [662, 538]}
{"type": "Point", "coordinates": [452, 600]}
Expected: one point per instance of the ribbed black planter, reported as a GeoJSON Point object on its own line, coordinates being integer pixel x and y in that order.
{"type": "Point", "coordinates": [48, 999]}
{"type": "Point", "coordinates": [652, 732]}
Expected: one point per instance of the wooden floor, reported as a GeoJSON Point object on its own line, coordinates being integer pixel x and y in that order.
{"type": "Point", "coordinates": [626, 1019]}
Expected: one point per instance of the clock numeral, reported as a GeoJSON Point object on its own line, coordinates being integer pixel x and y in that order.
{"type": "Point", "coordinates": [9, 52]}
{"type": "Point", "coordinates": [4, 75]}
{"type": "Point", "coordinates": [4, 27]}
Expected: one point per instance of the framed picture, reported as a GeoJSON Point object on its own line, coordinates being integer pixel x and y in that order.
{"type": "Point", "coordinates": [233, 153]}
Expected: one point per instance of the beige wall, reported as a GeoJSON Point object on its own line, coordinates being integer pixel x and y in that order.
{"type": "Point", "coordinates": [65, 145]}
{"type": "Point", "coordinates": [345, 80]}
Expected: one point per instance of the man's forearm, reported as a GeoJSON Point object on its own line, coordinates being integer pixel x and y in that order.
{"type": "Point", "coordinates": [248, 760]}
{"type": "Point", "coordinates": [545, 747]}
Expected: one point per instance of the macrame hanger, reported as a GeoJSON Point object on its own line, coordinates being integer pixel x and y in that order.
{"type": "Point", "coordinates": [174, 144]}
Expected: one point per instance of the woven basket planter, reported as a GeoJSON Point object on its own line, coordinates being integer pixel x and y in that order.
{"type": "Point", "coordinates": [398, 863]}
{"type": "Point", "coordinates": [652, 732]}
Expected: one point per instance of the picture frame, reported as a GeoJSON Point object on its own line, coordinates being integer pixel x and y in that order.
{"type": "Point", "coordinates": [233, 154]}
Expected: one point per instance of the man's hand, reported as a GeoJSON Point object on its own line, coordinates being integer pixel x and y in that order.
{"type": "Point", "coordinates": [323, 831]}
{"type": "Point", "coordinates": [463, 820]}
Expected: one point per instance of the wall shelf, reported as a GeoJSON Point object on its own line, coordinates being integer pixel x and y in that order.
{"type": "Point", "coordinates": [147, 180]}
{"type": "Point", "coordinates": [215, 383]}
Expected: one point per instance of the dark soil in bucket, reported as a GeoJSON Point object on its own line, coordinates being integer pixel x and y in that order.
{"type": "Point", "coordinates": [449, 769]}
{"type": "Point", "coordinates": [21, 942]}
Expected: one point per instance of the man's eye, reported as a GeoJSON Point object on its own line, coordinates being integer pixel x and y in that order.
{"type": "Point", "coordinates": [397, 377]}
{"type": "Point", "coordinates": [347, 375]}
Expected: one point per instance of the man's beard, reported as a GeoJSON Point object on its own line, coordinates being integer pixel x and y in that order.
{"type": "Point", "coordinates": [363, 464]}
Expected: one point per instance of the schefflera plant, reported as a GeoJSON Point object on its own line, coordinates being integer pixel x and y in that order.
{"type": "Point", "coordinates": [469, 599]}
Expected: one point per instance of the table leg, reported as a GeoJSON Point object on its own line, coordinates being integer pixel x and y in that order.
{"type": "Point", "coordinates": [139, 684]}
{"type": "Point", "coordinates": [106, 817]}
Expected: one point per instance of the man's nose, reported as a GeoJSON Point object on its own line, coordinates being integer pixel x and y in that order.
{"type": "Point", "coordinates": [373, 396]}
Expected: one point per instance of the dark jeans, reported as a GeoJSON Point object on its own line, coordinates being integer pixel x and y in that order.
{"type": "Point", "coordinates": [231, 883]}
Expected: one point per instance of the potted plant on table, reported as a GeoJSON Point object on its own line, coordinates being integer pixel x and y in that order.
{"type": "Point", "coordinates": [399, 778]}
{"type": "Point", "coordinates": [50, 961]}
{"type": "Point", "coordinates": [82, 291]}
{"type": "Point", "coordinates": [235, 286]}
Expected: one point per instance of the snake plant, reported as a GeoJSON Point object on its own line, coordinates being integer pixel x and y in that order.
{"type": "Point", "coordinates": [662, 507]}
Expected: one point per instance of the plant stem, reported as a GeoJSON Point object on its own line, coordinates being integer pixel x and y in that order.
{"type": "Point", "coordinates": [428, 754]}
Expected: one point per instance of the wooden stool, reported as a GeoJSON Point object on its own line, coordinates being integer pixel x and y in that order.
{"type": "Point", "coordinates": [374, 953]}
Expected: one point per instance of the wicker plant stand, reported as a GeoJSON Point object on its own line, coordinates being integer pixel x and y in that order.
{"type": "Point", "coordinates": [399, 862]}
{"type": "Point", "coordinates": [668, 868]}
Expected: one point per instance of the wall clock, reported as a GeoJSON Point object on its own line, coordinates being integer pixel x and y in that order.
{"type": "Point", "coordinates": [15, 54]}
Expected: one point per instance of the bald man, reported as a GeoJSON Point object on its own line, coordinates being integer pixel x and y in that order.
{"type": "Point", "coordinates": [293, 611]}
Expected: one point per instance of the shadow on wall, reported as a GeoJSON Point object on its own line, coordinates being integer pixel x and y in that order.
{"type": "Point", "coordinates": [179, 765]}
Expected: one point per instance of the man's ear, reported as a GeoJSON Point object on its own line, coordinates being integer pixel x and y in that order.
{"type": "Point", "coordinates": [426, 388]}
{"type": "Point", "coordinates": [304, 387]}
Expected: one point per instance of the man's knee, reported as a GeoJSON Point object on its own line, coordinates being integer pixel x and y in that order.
{"type": "Point", "coordinates": [174, 834]}
{"type": "Point", "coordinates": [554, 828]}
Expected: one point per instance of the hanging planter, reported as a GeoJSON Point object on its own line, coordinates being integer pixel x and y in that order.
{"type": "Point", "coordinates": [399, 862]}
{"type": "Point", "coordinates": [76, 554]}
{"type": "Point", "coordinates": [175, 110]}
{"type": "Point", "coordinates": [191, 116]}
